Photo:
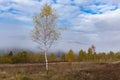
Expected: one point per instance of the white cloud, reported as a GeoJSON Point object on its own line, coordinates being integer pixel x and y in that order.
{"type": "Point", "coordinates": [1, 1]}
{"type": "Point", "coordinates": [24, 18]}
{"type": "Point", "coordinates": [82, 2]}
{"type": "Point", "coordinates": [107, 21]}
{"type": "Point", "coordinates": [65, 12]}
{"type": "Point", "coordinates": [24, 9]}
{"type": "Point", "coordinates": [87, 27]}
{"type": "Point", "coordinates": [64, 2]}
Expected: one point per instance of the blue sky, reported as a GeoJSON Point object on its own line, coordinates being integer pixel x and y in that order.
{"type": "Point", "coordinates": [88, 22]}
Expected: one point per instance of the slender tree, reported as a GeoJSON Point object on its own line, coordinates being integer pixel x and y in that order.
{"type": "Point", "coordinates": [45, 32]}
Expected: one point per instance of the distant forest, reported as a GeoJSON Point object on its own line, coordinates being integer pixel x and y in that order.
{"type": "Point", "coordinates": [70, 56]}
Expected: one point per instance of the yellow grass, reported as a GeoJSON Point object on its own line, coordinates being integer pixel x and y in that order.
{"type": "Point", "coordinates": [61, 71]}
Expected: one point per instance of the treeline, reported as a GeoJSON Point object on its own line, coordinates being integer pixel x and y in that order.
{"type": "Point", "coordinates": [82, 56]}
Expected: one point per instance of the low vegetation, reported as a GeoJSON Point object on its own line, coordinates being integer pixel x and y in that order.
{"type": "Point", "coordinates": [61, 71]}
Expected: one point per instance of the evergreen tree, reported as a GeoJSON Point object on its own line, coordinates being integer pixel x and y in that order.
{"type": "Point", "coordinates": [10, 53]}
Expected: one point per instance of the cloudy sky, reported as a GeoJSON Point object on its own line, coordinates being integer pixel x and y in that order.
{"type": "Point", "coordinates": [88, 22]}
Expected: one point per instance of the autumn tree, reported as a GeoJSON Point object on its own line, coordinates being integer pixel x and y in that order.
{"type": "Point", "coordinates": [82, 55]}
{"type": "Point", "coordinates": [63, 57]}
{"type": "Point", "coordinates": [5, 58]}
{"type": "Point", "coordinates": [45, 32]}
{"type": "Point", "coordinates": [101, 57]}
{"type": "Point", "coordinates": [110, 56]}
{"type": "Point", "coordinates": [89, 54]}
{"type": "Point", "coordinates": [20, 57]}
{"type": "Point", "coordinates": [117, 56]}
{"type": "Point", "coordinates": [70, 56]}
{"type": "Point", "coordinates": [52, 57]}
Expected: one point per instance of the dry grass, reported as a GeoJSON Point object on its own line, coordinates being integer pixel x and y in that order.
{"type": "Point", "coordinates": [61, 71]}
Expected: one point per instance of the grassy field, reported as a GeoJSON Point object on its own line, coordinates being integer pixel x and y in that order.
{"type": "Point", "coordinates": [61, 71]}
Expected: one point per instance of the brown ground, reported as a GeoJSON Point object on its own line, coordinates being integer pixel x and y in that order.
{"type": "Point", "coordinates": [61, 71]}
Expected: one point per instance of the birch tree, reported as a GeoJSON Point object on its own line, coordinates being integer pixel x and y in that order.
{"type": "Point", "coordinates": [45, 31]}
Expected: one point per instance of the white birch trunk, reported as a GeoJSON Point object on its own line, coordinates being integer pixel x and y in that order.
{"type": "Point", "coordinates": [46, 61]}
